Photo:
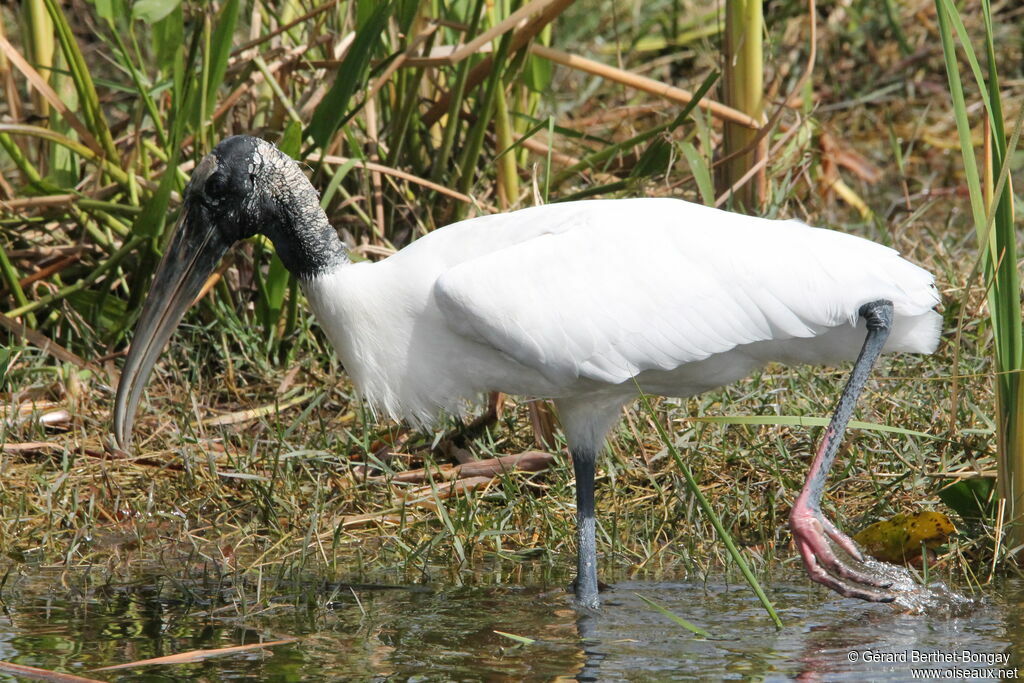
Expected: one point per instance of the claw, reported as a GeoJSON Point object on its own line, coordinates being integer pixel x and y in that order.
{"type": "Point", "coordinates": [840, 578]}
{"type": "Point", "coordinates": [812, 532]}
{"type": "Point", "coordinates": [849, 590]}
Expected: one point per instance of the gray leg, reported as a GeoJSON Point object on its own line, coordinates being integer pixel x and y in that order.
{"type": "Point", "coordinates": [585, 464]}
{"type": "Point", "coordinates": [811, 529]}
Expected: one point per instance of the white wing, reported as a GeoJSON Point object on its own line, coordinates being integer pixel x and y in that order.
{"type": "Point", "coordinates": [633, 285]}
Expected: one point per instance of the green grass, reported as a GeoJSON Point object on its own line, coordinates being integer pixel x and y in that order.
{"type": "Point", "coordinates": [281, 494]}
{"type": "Point", "coordinates": [992, 206]}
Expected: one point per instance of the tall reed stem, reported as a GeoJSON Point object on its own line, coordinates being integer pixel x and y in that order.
{"type": "Point", "coordinates": [744, 90]}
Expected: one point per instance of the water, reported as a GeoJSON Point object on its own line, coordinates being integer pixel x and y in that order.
{"type": "Point", "coordinates": [367, 632]}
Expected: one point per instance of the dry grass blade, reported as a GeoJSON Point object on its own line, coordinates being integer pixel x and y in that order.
{"type": "Point", "coordinates": [400, 61]}
{"type": "Point", "coordinates": [284, 27]}
{"type": "Point", "coordinates": [428, 496]}
{"type": "Point", "coordinates": [368, 519]}
{"type": "Point", "coordinates": [530, 461]}
{"type": "Point", "coordinates": [40, 340]}
{"type": "Point", "coordinates": [36, 674]}
{"type": "Point", "coordinates": [454, 55]}
{"type": "Point", "coordinates": [628, 78]}
{"type": "Point", "coordinates": [256, 413]}
{"type": "Point", "coordinates": [49, 270]}
{"type": "Point", "coordinates": [480, 72]}
{"type": "Point", "coordinates": [848, 195]}
{"type": "Point", "coordinates": [757, 166]}
{"type": "Point", "coordinates": [31, 447]}
{"type": "Point", "coordinates": [968, 473]}
{"type": "Point", "coordinates": [387, 170]}
{"type": "Point", "coordinates": [538, 147]}
{"type": "Point", "coordinates": [112, 168]}
{"type": "Point", "coordinates": [40, 84]}
{"type": "Point", "coordinates": [21, 203]}
{"type": "Point", "coordinates": [8, 411]}
{"type": "Point", "coordinates": [196, 655]}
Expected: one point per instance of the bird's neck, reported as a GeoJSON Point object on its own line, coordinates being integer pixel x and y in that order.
{"type": "Point", "coordinates": [307, 243]}
{"type": "Point", "coordinates": [293, 220]}
{"type": "Point", "coordinates": [322, 249]}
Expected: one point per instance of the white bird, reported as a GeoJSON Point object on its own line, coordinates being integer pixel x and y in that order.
{"type": "Point", "coordinates": [580, 302]}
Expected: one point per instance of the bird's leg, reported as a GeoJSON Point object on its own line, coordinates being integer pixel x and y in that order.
{"type": "Point", "coordinates": [811, 529]}
{"type": "Point", "coordinates": [584, 464]}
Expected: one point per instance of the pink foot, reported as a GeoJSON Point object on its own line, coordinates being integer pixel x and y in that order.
{"type": "Point", "coordinates": [811, 532]}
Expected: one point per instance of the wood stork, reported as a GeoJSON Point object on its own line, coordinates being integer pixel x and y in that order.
{"type": "Point", "coordinates": [547, 302]}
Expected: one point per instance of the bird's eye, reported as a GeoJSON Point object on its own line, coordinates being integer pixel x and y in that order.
{"type": "Point", "coordinates": [216, 186]}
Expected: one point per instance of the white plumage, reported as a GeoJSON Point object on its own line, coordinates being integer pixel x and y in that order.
{"type": "Point", "coordinates": [578, 302]}
{"type": "Point", "coordinates": [574, 300]}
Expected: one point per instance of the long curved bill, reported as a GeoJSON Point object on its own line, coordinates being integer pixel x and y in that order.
{"type": "Point", "coordinates": [195, 250]}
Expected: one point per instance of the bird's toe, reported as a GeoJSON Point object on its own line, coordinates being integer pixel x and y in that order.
{"type": "Point", "coordinates": [849, 577]}
{"type": "Point", "coordinates": [854, 590]}
{"type": "Point", "coordinates": [841, 539]}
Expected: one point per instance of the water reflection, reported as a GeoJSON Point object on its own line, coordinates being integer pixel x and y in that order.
{"type": "Point", "coordinates": [825, 638]}
{"type": "Point", "coordinates": [374, 632]}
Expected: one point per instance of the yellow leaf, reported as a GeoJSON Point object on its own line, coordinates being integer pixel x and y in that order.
{"type": "Point", "coordinates": [899, 538]}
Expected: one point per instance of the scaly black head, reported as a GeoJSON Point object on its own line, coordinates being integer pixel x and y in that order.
{"type": "Point", "coordinates": [245, 186]}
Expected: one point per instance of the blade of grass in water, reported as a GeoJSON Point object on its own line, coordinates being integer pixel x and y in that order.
{"type": "Point", "coordinates": [693, 628]}
{"type": "Point", "coordinates": [522, 640]}
{"type": "Point", "coordinates": [710, 513]}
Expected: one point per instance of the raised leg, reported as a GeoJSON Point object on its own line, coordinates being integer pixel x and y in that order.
{"type": "Point", "coordinates": [584, 464]}
{"type": "Point", "coordinates": [811, 529]}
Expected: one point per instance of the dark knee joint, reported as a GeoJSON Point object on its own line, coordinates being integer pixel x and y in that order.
{"type": "Point", "coordinates": [878, 314]}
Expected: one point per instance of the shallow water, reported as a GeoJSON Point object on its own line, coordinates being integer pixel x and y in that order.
{"type": "Point", "coordinates": [448, 633]}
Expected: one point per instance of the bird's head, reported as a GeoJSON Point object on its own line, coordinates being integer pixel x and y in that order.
{"type": "Point", "coordinates": [243, 187]}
